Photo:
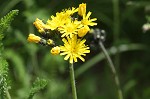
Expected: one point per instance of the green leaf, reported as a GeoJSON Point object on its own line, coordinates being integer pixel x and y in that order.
{"type": "Point", "coordinates": [6, 21]}
{"type": "Point", "coordinates": [38, 85]}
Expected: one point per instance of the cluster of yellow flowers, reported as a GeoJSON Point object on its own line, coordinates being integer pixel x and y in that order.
{"type": "Point", "coordinates": [72, 30]}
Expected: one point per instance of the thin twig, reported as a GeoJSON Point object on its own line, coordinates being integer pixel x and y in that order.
{"type": "Point", "coordinates": [120, 96]}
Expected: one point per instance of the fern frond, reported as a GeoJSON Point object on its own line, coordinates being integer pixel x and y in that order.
{"type": "Point", "coordinates": [3, 77]}
{"type": "Point", "coordinates": [38, 85]}
{"type": "Point", "coordinates": [4, 24]}
{"type": "Point", "coordinates": [6, 21]}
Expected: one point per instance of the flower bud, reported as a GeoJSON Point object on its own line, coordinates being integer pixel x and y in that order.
{"type": "Point", "coordinates": [40, 25]}
{"type": "Point", "coordinates": [82, 9]}
{"type": "Point", "coordinates": [83, 31]}
{"type": "Point", "coordinates": [33, 38]}
{"type": "Point", "coordinates": [55, 50]}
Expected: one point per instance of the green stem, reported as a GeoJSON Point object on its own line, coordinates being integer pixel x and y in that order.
{"type": "Point", "coordinates": [116, 20]}
{"type": "Point", "coordinates": [112, 67]}
{"type": "Point", "coordinates": [72, 77]}
{"type": "Point", "coordinates": [116, 28]}
{"type": "Point", "coordinates": [8, 95]}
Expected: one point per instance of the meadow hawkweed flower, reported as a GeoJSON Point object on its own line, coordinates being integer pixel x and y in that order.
{"type": "Point", "coordinates": [72, 25]}
{"type": "Point", "coordinates": [87, 21]}
{"type": "Point", "coordinates": [34, 38]}
{"type": "Point", "coordinates": [57, 21]}
{"type": "Point", "coordinates": [70, 28]}
{"type": "Point", "coordinates": [82, 9]}
{"type": "Point", "coordinates": [60, 18]}
{"type": "Point", "coordinates": [74, 48]}
{"type": "Point", "coordinates": [55, 50]}
{"type": "Point", "coordinates": [40, 25]}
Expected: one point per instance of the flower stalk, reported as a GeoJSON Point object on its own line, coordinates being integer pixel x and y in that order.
{"type": "Point", "coordinates": [73, 85]}
{"type": "Point", "coordinates": [112, 67]}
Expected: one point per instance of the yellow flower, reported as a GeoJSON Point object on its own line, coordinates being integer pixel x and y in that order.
{"type": "Point", "coordinates": [40, 25]}
{"type": "Point", "coordinates": [58, 20]}
{"type": "Point", "coordinates": [83, 31]}
{"type": "Point", "coordinates": [33, 38]}
{"type": "Point", "coordinates": [87, 21]}
{"type": "Point", "coordinates": [82, 9]}
{"type": "Point", "coordinates": [55, 50]}
{"type": "Point", "coordinates": [70, 28]}
{"type": "Point", "coordinates": [74, 48]}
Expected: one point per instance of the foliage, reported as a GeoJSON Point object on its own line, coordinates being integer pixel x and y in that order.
{"type": "Point", "coordinates": [4, 24]}
{"type": "Point", "coordinates": [38, 85]}
{"type": "Point", "coordinates": [3, 77]}
{"type": "Point", "coordinates": [6, 20]}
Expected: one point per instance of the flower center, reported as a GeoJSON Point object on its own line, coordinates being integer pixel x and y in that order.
{"type": "Point", "coordinates": [70, 28]}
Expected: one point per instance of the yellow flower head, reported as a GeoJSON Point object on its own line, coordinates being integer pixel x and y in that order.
{"type": "Point", "coordinates": [55, 50]}
{"type": "Point", "coordinates": [61, 18]}
{"type": "Point", "coordinates": [74, 48]}
{"type": "Point", "coordinates": [83, 31]}
{"type": "Point", "coordinates": [58, 20]}
{"type": "Point", "coordinates": [70, 28]}
{"type": "Point", "coordinates": [33, 38]}
{"type": "Point", "coordinates": [87, 21]}
{"type": "Point", "coordinates": [82, 9]}
{"type": "Point", "coordinates": [40, 25]}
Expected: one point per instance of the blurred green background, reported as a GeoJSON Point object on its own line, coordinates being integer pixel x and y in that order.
{"type": "Point", "coordinates": [121, 19]}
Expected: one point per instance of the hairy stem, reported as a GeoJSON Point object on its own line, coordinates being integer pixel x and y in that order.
{"type": "Point", "coordinates": [112, 67]}
{"type": "Point", "coordinates": [72, 77]}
